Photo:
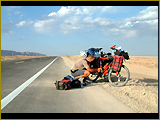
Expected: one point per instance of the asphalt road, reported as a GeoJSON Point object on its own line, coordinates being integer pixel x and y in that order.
{"type": "Point", "coordinates": [41, 95]}
{"type": "Point", "coordinates": [16, 72]}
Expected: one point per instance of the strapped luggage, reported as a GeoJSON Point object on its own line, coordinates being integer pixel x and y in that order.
{"type": "Point", "coordinates": [63, 84]}
{"type": "Point", "coordinates": [75, 84]}
{"type": "Point", "coordinates": [117, 63]}
{"type": "Point", "coordinates": [67, 83]}
{"type": "Point", "coordinates": [125, 55]}
{"type": "Point", "coordinates": [122, 53]}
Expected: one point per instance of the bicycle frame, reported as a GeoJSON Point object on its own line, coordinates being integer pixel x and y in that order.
{"type": "Point", "coordinates": [116, 78]}
{"type": "Point", "coordinates": [106, 66]}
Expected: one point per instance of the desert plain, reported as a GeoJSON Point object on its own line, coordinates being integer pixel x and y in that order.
{"type": "Point", "coordinates": [140, 93]}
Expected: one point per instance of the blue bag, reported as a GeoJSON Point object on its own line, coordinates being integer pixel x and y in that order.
{"type": "Point", "coordinates": [70, 78]}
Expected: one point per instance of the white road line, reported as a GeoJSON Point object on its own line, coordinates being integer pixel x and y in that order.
{"type": "Point", "coordinates": [19, 62]}
{"type": "Point", "coordinates": [18, 90]}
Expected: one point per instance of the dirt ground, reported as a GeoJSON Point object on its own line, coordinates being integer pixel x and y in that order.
{"type": "Point", "coordinates": [141, 91]}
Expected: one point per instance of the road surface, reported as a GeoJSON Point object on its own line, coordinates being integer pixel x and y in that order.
{"type": "Point", "coordinates": [41, 95]}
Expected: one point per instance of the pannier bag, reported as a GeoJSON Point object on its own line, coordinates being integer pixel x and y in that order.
{"type": "Point", "coordinates": [125, 55]}
{"type": "Point", "coordinates": [67, 83]}
{"type": "Point", "coordinates": [69, 77]}
{"type": "Point", "coordinates": [76, 84]}
{"type": "Point", "coordinates": [117, 63]}
{"type": "Point", "coordinates": [63, 84]}
{"type": "Point", "coordinates": [122, 53]}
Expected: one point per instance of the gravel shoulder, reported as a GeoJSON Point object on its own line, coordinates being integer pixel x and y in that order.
{"type": "Point", "coordinates": [141, 91]}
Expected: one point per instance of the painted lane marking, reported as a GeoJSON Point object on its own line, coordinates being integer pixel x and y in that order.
{"type": "Point", "coordinates": [18, 90]}
{"type": "Point", "coordinates": [19, 62]}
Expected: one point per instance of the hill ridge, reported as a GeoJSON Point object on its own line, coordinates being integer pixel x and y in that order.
{"type": "Point", "coordinates": [14, 53]}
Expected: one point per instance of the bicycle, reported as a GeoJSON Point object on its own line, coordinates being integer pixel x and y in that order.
{"type": "Point", "coordinates": [117, 79]}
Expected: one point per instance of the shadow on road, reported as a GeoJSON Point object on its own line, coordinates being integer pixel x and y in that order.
{"type": "Point", "coordinates": [88, 85]}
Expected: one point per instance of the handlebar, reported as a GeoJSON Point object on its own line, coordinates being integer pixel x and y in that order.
{"type": "Point", "coordinates": [113, 47]}
{"type": "Point", "coordinates": [99, 49]}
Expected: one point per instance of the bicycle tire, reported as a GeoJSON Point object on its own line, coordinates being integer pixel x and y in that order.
{"type": "Point", "coordinates": [112, 78]}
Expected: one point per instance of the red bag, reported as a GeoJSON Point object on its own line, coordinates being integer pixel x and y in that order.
{"type": "Point", "coordinates": [117, 63]}
{"type": "Point", "coordinates": [67, 83]}
{"type": "Point", "coordinates": [63, 84]}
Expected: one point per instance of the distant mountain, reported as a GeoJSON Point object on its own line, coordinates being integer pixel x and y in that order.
{"type": "Point", "coordinates": [13, 53]}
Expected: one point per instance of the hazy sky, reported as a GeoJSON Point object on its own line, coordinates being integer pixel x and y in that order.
{"type": "Point", "coordinates": [66, 30]}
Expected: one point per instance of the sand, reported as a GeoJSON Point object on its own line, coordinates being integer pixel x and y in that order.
{"type": "Point", "coordinates": [141, 91]}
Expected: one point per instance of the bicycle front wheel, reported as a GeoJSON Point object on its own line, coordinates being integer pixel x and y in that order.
{"type": "Point", "coordinates": [121, 79]}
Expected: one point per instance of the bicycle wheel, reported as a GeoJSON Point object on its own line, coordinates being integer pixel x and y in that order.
{"type": "Point", "coordinates": [122, 77]}
{"type": "Point", "coordinates": [93, 77]}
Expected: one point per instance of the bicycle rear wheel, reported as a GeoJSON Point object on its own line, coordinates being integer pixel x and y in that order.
{"type": "Point", "coordinates": [122, 77]}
